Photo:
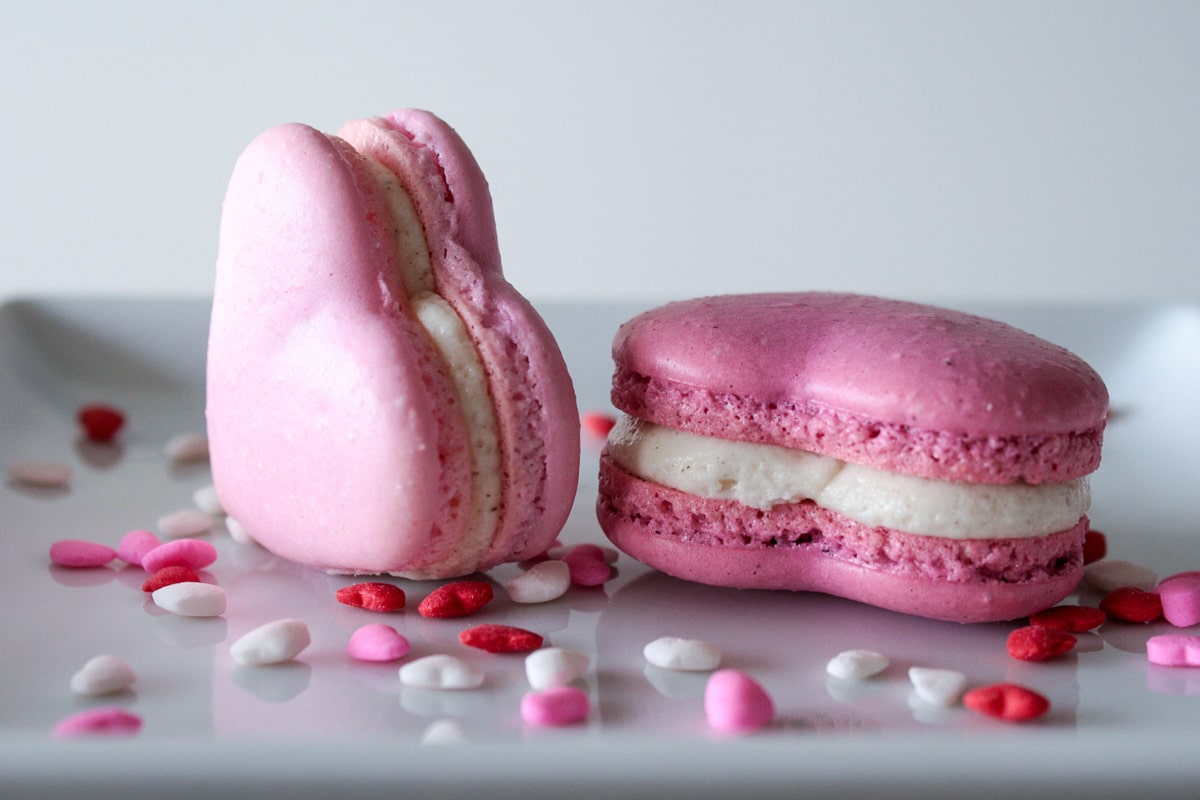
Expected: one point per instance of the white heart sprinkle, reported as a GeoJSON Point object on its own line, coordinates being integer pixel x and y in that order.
{"type": "Point", "coordinates": [191, 599]}
{"type": "Point", "coordinates": [103, 675]}
{"type": "Point", "coordinates": [544, 581]}
{"type": "Point", "coordinates": [856, 665]}
{"type": "Point", "coordinates": [940, 687]}
{"type": "Point", "coordinates": [185, 523]}
{"type": "Point", "coordinates": [207, 499]}
{"type": "Point", "coordinates": [187, 447]}
{"type": "Point", "coordinates": [687, 655]}
{"type": "Point", "coordinates": [238, 532]}
{"type": "Point", "coordinates": [272, 643]}
{"type": "Point", "coordinates": [554, 666]}
{"type": "Point", "coordinates": [441, 672]}
{"type": "Point", "coordinates": [40, 473]}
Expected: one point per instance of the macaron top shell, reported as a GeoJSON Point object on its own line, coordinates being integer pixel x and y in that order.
{"type": "Point", "coordinates": [888, 368]}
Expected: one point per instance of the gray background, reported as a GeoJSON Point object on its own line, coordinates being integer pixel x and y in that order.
{"type": "Point", "coordinates": [998, 150]}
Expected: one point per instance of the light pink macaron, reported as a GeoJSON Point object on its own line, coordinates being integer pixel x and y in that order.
{"type": "Point", "coordinates": [941, 398]}
{"type": "Point", "coordinates": [380, 398]}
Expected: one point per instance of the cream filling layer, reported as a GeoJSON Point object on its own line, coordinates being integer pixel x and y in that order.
{"type": "Point", "coordinates": [452, 341]}
{"type": "Point", "coordinates": [764, 476]}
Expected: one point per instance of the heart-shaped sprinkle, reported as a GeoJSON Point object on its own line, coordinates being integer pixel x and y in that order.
{"type": "Point", "coordinates": [456, 599]}
{"type": "Point", "coordinates": [1072, 619]}
{"type": "Point", "coordinates": [939, 687]}
{"type": "Point", "coordinates": [1007, 701]}
{"type": "Point", "coordinates": [187, 448]}
{"type": "Point", "coordinates": [1095, 546]}
{"type": "Point", "coordinates": [273, 643]}
{"type": "Point", "coordinates": [169, 575]}
{"type": "Point", "coordinates": [1131, 604]}
{"type": "Point", "coordinates": [441, 672]}
{"type": "Point", "coordinates": [99, 722]}
{"type": "Point", "coordinates": [207, 500]}
{"type": "Point", "coordinates": [238, 532]}
{"type": "Point", "coordinates": [191, 599]}
{"type": "Point", "coordinates": [736, 703]}
{"type": "Point", "coordinates": [377, 642]}
{"type": "Point", "coordinates": [184, 523]}
{"type": "Point", "coordinates": [1035, 643]}
{"type": "Point", "coordinates": [541, 583]}
{"type": "Point", "coordinates": [134, 545]}
{"type": "Point", "coordinates": [1180, 599]}
{"type": "Point", "coordinates": [587, 565]}
{"type": "Point", "coordinates": [687, 655]}
{"type": "Point", "coordinates": [555, 707]}
{"type": "Point", "coordinates": [105, 674]}
{"type": "Point", "coordinates": [372, 596]}
{"type": "Point", "coordinates": [100, 422]}
{"type": "Point", "coordinates": [856, 665]}
{"type": "Point", "coordinates": [554, 666]}
{"type": "Point", "coordinates": [1174, 650]}
{"type": "Point", "coordinates": [500, 639]}
{"type": "Point", "coordinates": [42, 474]}
{"type": "Point", "coordinates": [191, 553]}
{"type": "Point", "coordinates": [78, 554]}
{"type": "Point", "coordinates": [597, 423]}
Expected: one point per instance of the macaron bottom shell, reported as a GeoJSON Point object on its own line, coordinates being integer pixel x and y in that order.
{"type": "Point", "coordinates": [918, 575]}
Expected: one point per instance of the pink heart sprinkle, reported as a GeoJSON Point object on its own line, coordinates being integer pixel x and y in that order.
{"type": "Point", "coordinates": [1180, 596]}
{"type": "Point", "coordinates": [105, 721]}
{"type": "Point", "coordinates": [558, 705]}
{"type": "Point", "coordinates": [193, 553]}
{"type": "Point", "coordinates": [377, 642]}
{"type": "Point", "coordinates": [588, 565]}
{"type": "Point", "coordinates": [78, 554]}
{"type": "Point", "coordinates": [134, 546]}
{"type": "Point", "coordinates": [1174, 650]}
{"type": "Point", "coordinates": [735, 703]}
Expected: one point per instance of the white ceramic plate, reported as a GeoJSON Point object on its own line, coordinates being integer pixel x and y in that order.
{"type": "Point", "coordinates": [325, 725]}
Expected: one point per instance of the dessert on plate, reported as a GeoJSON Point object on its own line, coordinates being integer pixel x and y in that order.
{"type": "Point", "coordinates": [915, 458]}
{"type": "Point", "coordinates": [380, 398]}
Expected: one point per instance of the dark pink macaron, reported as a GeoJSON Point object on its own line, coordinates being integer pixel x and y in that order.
{"type": "Point", "coordinates": [912, 457]}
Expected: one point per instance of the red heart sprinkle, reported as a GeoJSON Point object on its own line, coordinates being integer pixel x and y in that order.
{"type": "Point", "coordinates": [1095, 547]}
{"type": "Point", "coordinates": [1007, 701]}
{"type": "Point", "coordinates": [456, 599]}
{"type": "Point", "coordinates": [372, 596]}
{"type": "Point", "coordinates": [169, 575]}
{"type": "Point", "coordinates": [500, 639]}
{"type": "Point", "coordinates": [1035, 643]}
{"type": "Point", "coordinates": [1073, 619]}
{"type": "Point", "coordinates": [100, 422]}
{"type": "Point", "coordinates": [1130, 604]}
{"type": "Point", "coordinates": [597, 424]}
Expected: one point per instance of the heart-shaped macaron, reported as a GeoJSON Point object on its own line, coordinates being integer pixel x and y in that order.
{"type": "Point", "coordinates": [915, 458]}
{"type": "Point", "coordinates": [380, 398]}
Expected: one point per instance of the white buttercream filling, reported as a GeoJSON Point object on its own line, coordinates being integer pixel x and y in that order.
{"type": "Point", "coordinates": [450, 337]}
{"type": "Point", "coordinates": [416, 272]}
{"type": "Point", "coordinates": [763, 476]}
